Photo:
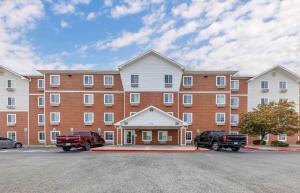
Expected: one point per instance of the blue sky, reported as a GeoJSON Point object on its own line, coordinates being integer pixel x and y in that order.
{"type": "Point", "coordinates": [250, 36]}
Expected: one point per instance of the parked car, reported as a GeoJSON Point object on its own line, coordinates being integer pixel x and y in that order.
{"type": "Point", "coordinates": [84, 139]}
{"type": "Point", "coordinates": [9, 143]}
{"type": "Point", "coordinates": [219, 139]}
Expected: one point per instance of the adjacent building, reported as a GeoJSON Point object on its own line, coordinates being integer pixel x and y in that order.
{"type": "Point", "coordinates": [148, 100]}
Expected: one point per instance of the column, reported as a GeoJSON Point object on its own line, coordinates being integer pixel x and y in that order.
{"type": "Point", "coordinates": [119, 136]}
{"type": "Point", "coordinates": [183, 136]}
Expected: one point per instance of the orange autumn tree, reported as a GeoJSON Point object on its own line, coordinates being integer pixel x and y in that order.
{"type": "Point", "coordinates": [273, 118]}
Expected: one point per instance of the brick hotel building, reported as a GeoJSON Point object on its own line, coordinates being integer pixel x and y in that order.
{"type": "Point", "coordinates": [149, 100]}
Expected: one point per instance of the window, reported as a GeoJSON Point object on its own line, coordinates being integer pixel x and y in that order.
{"type": "Point", "coordinates": [54, 118]}
{"type": "Point", "coordinates": [54, 80]}
{"type": "Point", "coordinates": [266, 137]}
{"type": "Point", "coordinates": [187, 99]}
{"type": "Point", "coordinates": [12, 135]}
{"type": "Point", "coordinates": [234, 119]}
{"type": "Point", "coordinates": [10, 84]}
{"type": "Point", "coordinates": [108, 118]}
{"type": "Point", "coordinates": [88, 80]}
{"type": "Point", "coordinates": [108, 99]}
{"type": "Point", "coordinates": [41, 101]}
{"type": "Point", "coordinates": [187, 81]}
{"type": "Point", "coordinates": [264, 84]}
{"type": "Point", "coordinates": [134, 98]}
{"type": "Point", "coordinates": [220, 100]}
{"type": "Point", "coordinates": [282, 137]}
{"type": "Point", "coordinates": [108, 80]}
{"type": "Point", "coordinates": [88, 99]}
{"type": "Point", "coordinates": [234, 102]}
{"type": "Point", "coordinates": [134, 80]}
{"type": "Point", "coordinates": [53, 135]}
{"type": "Point", "coordinates": [188, 136]}
{"type": "Point", "coordinates": [264, 101]}
{"type": "Point", "coordinates": [234, 132]}
{"type": "Point", "coordinates": [282, 85]}
{"type": "Point", "coordinates": [220, 81]}
{"type": "Point", "coordinates": [109, 137]}
{"type": "Point", "coordinates": [168, 80]}
{"type": "Point", "coordinates": [147, 135]}
{"type": "Point", "coordinates": [235, 85]}
{"type": "Point", "coordinates": [11, 102]}
{"type": "Point", "coordinates": [11, 119]}
{"type": "Point", "coordinates": [171, 113]}
{"type": "Point", "coordinates": [162, 135]}
{"type": "Point", "coordinates": [188, 118]}
{"type": "Point", "coordinates": [168, 98]}
{"type": "Point", "coordinates": [132, 113]}
{"type": "Point", "coordinates": [41, 136]}
{"type": "Point", "coordinates": [88, 118]}
{"type": "Point", "coordinates": [220, 118]}
{"type": "Point", "coordinates": [54, 99]}
{"type": "Point", "coordinates": [40, 83]}
{"type": "Point", "coordinates": [41, 119]}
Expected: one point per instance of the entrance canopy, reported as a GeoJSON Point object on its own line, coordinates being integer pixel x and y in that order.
{"type": "Point", "coordinates": [151, 117]}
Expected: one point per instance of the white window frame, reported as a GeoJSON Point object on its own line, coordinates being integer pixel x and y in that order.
{"type": "Point", "coordinates": [13, 85]}
{"type": "Point", "coordinates": [265, 136]}
{"type": "Point", "coordinates": [109, 122]}
{"type": "Point", "coordinates": [90, 122]}
{"type": "Point", "coordinates": [39, 139]}
{"type": "Point", "coordinates": [187, 104]}
{"type": "Point", "coordinates": [137, 102]}
{"type": "Point", "coordinates": [43, 99]}
{"type": "Point", "coordinates": [238, 102]}
{"type": "Point", "coordinates": [187, 113]}
{"type": "Point", "coordinates": [191, 136]}
{"type": "Point", "coordinates": [88, 84]}
{"type": "Point", "coordinates": [143, 135]}
{"type": "Point", "coordinates": [54, 84]}
{"type": "Point", "coordinates": [86, 103]}
{"type": "Point", "coordinates": [53, 131]}
{"type": "Point", "coordinates": [261, 86]}
{"type": "Point", "coordinates": [112, 101]}
{"type": "Point", "coordinates": [218, 102]}
{"type": "Point", "coordinates": [11, 106]}
{"type": "Point", "coordinates": [11, 123]}
{"type": "Point", "coordinates": [278, 137]}
{"type": "Point", "coordinates": [54, 122]}
{"type": "Point", "coordinates": [170, 96]}
{"type": "Point", "coordinates": [220, 85]}
{"type": "Point", "coordinates": [38, 84]}
{"type": "Point", "coordinates": [132, 81]}
{"type": "Point", "coordinates": [264, 99]}
{"type": "Point", "coordinates": [9, 132]}
{"type": "Point", "coordinates": [231, 119]}
{"type": "Point", "coordinates": [238, 85]}
{"type": "Point", "coordinates": [105, 83]}
{"type": "Point", "coordinates": [286, 85]}
{"type": "Point", "coordinates": [168, 83]}
{"type": "Point", "coordinates": [216, 118]}
{"type": "Point", "coordinates": [184, 83]}
{"type": "Point", "coordinates": [53, 103]}
{"type": "Point", "coordinates": [110, 141]}
{"type": "Point", "coordinates": [161, 140]}
{"type": "Point", "coordinates": [41, 123]}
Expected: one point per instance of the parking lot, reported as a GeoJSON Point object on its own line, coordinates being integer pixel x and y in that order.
{"type": "Point", "coordinates": [50, 170]}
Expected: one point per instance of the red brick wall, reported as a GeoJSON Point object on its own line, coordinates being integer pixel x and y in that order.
{"type": "Point", "coordinates": [173, 133]}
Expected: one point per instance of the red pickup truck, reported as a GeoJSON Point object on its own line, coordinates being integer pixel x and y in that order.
{"type": "Point", "coordinates": [84, 139]}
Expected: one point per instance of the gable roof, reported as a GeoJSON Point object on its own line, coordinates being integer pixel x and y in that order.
{"type": "Point", "coordinates": [146, 109]}
{"type": "Point", "coordinates": [13, 72]}
{"type": "Point", "coordinates": [120, 67]}
{"type": "Point", "coordinates": [296, 76]}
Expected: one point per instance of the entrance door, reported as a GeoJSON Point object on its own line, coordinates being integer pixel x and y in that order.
{"type": "Point", "coordinates": [129, 137]}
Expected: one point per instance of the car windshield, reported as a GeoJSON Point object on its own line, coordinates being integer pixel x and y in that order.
{"type": "Point", "coordinates": [219, 132]}
{"type": "Point", "coordinates": [81, 133]}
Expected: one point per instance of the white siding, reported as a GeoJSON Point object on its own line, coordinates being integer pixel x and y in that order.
{"type": "Point", "coordinates": [21, 92]}
{"type": "Point", "coordinates": [255, 94]}
{"type": "Point", "coordinates": [151, 70]}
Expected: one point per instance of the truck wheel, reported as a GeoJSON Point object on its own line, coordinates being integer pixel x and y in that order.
{"type": "Point", "coordinates": [235, 148]}
{"type": "Point", "coordinates": [66, 148]}
{"type": "Point", "coordinates": [87, 146]}
{"type": "Point", "coordinates": [215, 146]}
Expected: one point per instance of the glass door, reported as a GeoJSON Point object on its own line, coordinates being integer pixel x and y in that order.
{"type": "Point", "coordinates": [129, 137]}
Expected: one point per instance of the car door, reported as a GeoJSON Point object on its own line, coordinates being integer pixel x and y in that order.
{"type": "Point", "coordinates": [2, 142]}
{"type": "Point", "coordinates": [10, 143]}
{"type": "Point", "coordinates": [204, 138]}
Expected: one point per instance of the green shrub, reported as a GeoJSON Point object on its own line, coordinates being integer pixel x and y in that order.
{"type": "Point", "coordinates": [298, 142]}
{"type": "Point", "coordinates": [279, 144]}
{"type": "Point", "coordinates": [259, 142]}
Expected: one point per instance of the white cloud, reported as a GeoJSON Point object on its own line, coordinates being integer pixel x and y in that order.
{"type": "Point", "coordinates": [64, 24]}
{"type": "Point", "coordinates": [108, 3]}
{"type": "Point", "coordinates": [91, 16]}
{"type": "Point", "coordinates": [67, 7]}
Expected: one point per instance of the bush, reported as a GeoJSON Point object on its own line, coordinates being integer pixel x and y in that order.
{"type": "Point", "coordinates": [298, 142]}
{"type": "Point", "coordinates": [279, 144]}
{"type": "Point", "coordinates": [259, 142]}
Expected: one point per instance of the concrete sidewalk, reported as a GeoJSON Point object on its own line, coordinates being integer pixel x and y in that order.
{"type": "Point", "coordinates": [148, 148]}
{"type": "Point", "coordinates": [294, 148]}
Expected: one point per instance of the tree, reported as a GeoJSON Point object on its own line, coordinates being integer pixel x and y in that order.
{"type": "Point", "coordinates": [273, 118]}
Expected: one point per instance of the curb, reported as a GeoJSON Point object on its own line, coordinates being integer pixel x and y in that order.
{"type": "Point", "coordinates": [274, 150]}
{"type": "Point", "coordinates": [148, 151]}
